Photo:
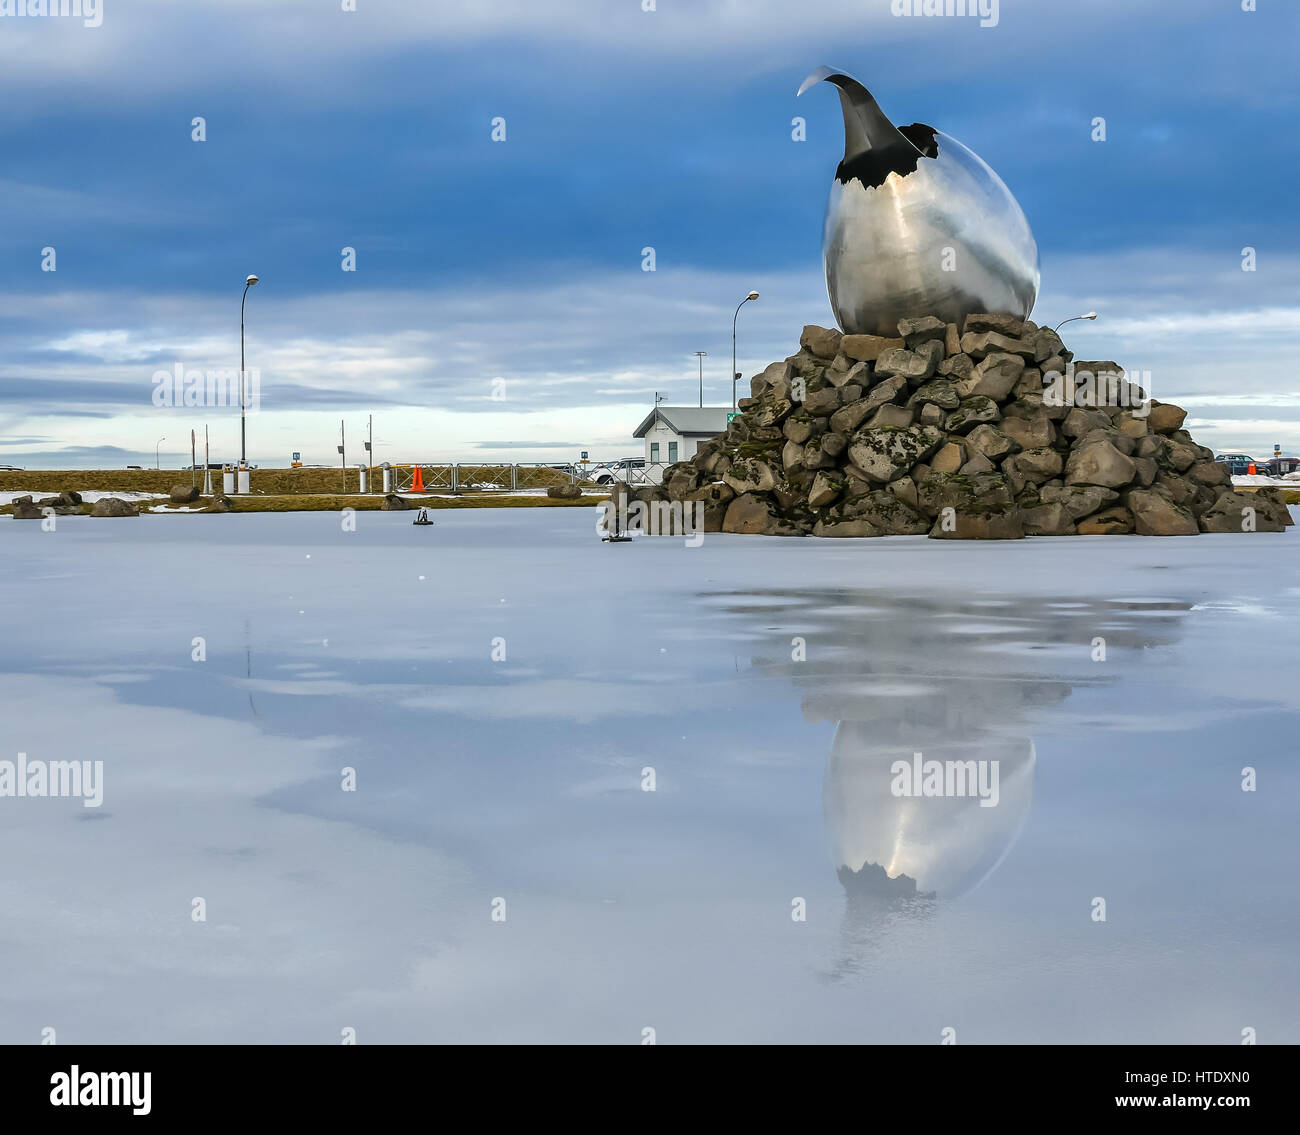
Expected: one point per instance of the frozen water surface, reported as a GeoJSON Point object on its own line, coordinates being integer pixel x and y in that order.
{"type": "Point", "coordinates": [522, 779]}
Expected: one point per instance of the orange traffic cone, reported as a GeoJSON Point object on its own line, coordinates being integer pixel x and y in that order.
{"type": "Point", "coordinates": [417, 481]}
{"type": "Point", "coordinates": [1251, 469]}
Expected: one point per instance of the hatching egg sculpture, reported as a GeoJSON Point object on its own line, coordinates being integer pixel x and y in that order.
{"type": "Point", "coordinates": [917, 225]}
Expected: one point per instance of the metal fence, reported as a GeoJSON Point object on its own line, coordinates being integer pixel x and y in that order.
{"type": "Point", "coordinates": [523, 476]}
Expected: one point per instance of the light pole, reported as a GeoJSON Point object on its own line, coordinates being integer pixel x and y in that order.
{"type": "Point", "coordinates": [701, 356]}
{"type": "Point", "coordinates": [157, 461]}
{"type": "Point", "coordinates": [1090, 315]}
{"type": "Point", "coordinates": [734, 375]}
{"type": "Point", "coordinates": [243, 433]}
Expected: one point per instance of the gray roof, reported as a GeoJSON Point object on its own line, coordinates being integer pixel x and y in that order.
{"type": "Point", "coordinates": [688, 421]}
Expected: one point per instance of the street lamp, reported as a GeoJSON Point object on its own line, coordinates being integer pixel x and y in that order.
{"type": "Point", "coordinates": [734, 374]}
{"type": "Point", "coordinates": [157, 461]}
{"type": "Point", "coordinates": [243, 433]}
{"type": "Point", "coordinates": [1090, 315]}
{"type": "Point", "coordinates": [701, 355]}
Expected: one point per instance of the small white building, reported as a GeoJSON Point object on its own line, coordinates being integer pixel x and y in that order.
{"type": "Point", "coordinates": [673, 433]}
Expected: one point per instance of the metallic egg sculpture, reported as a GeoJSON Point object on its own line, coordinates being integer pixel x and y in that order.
{"type": "Point", "coordinates": [918, 225]}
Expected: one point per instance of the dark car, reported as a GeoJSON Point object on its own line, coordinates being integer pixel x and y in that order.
{"type": "Point", "coordinates": [1238, 463]}
{"type": "Point", "coordinates": [1280, 466]}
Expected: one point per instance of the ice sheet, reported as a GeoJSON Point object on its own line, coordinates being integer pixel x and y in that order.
{"type": "Point", "coordinates": [522, 779]}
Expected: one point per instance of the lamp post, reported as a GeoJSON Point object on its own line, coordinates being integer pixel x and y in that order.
{"type": "Point", "coordinates": [157, 461]}
{"type": "Point", "coordinates": [734, 375]}
{"type": "Point", "coordinates": [1090, 315]}
{"type": "Point", "coordinates": [701, 355]}
{"type": "Point", "coordinates": [243, 433]}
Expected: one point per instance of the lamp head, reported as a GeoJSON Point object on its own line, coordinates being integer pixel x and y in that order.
{"type": "Point", "coordinates": [752, 296]}
{"type": "Point", "coordinates": [251, 281]}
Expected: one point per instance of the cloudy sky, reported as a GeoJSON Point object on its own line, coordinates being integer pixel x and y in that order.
{"type": "Point", "coordinates": [521, 260]}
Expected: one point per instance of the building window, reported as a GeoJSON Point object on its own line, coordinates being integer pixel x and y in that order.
{"type": "Point", "coordinates": [672, 452]}
{"type": "Point", "coordinates": [654, 451]}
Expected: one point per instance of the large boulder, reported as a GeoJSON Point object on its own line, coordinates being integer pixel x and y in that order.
{"type": "Point", "coordinates": [1001, 525]}
{"type": "Point", "coordinates": [1047, 520]}
{"type": "Point", "coordinates": [1097, 462]}
{"type": "Point", "coordinates": [114, 506]}
{"type": "Point", "coordinates": [1007, 325]}
{"type": "Point", "coordinates": [991, 442]}
{"type": "Point", "coordinates": [1164, 418]}
{"type": "Point", "coordinates": [973, 411]}
{"type": "Point", "coordinates": [885, 511]}
{"type": "Point", "coordinates": [825, 489]}
{"type": "Point", "coordinates": [394, 503]}
{"type": "Point", "coordinates": [754, 514]}
{"type": "Point", "coordinates": [1240, 512]}
{"type": "Point", "coordinates": [749, 475]}
{"type": "Point", "coordinates": [868, 348]}
{"type": "Point", "coordinates": [995, 376]}
{"type": "Point", "coordinates": [915, 366]}
{"type": "Point", "coordinates": [939, 391]}
{"type": "Point", "coordinates": [918, 331]}
{"type": "Point", "coordinates": [887, 454]}
{"type": "Point", "coordinates": [1154, 514]}
{"type": "Point", "coordinates": [183, 494]}
{"type": "Point", "coordinates": [964, 493]}
{"type": "Point", "coordinates": [567, 492]}
{"type": "Point", "coordinates": [824, 342]}
{"type": "Point", "coordinates": [1034, 465]}
{"type": "Point", "coordinates": [1116, 521]}
{"type": "Point", "coordinates": [679, 480]}
{"type": "Point", "coordinates": [1032, 432]}
{"type": "Point", "coordinates": [1079, 500]}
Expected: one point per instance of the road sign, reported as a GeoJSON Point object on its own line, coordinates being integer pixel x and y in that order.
{"type": "Point", "coordinates": [732, 417]}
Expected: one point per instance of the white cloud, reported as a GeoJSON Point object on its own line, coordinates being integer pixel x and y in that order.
{"type": "Point", "coordinates": [583, 356]}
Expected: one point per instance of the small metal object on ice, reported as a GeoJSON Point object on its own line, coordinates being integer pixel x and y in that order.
{"type": "Point", "coordinates": [422, 517]}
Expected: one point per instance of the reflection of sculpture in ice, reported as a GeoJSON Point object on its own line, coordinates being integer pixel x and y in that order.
{"type": "Point", "coordinates": [929, 846]}
{"type": "Point", "coordinates": [956, 678]}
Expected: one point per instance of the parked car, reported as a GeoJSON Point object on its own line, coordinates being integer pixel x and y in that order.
{"type": "Point", "coordinates": [633, 470]}
{"type": "Point", "coordinates": [1280, 466]}
{"type": "Point", "coordinates": [1238, 463]}
{"type": "Point", "coordinates": [11, 468]}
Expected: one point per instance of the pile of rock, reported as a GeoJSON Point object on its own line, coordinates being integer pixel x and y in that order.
{"type": "Point", "coordinates": [65, 504]}
{"type": "Point", "coordinates": [953, 432]}
{"type": "Point", "coordinates": [68, 503]}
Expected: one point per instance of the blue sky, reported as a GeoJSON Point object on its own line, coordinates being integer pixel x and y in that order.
{"type": "Point", "coordinates": [521, 260]}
